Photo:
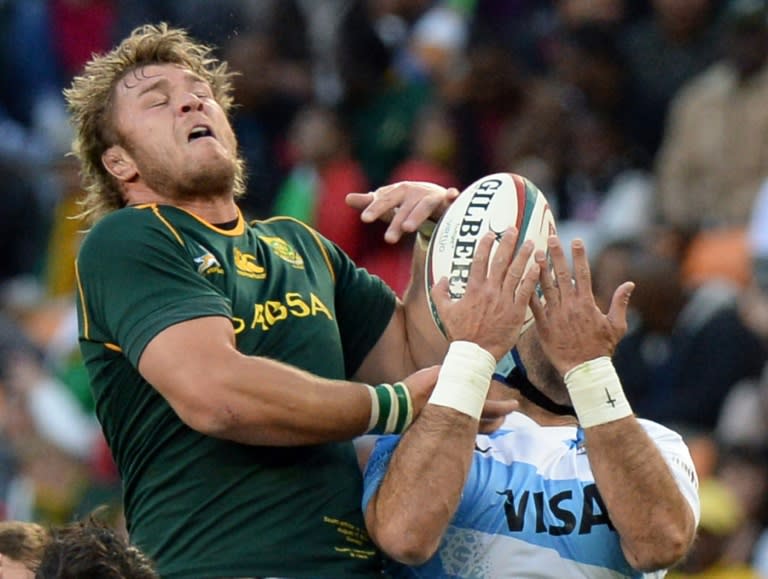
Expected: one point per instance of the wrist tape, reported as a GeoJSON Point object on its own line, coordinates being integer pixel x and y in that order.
{"type": "Point", "coordinates": [424, 233]}
{"type": "Point", "coordinates": [464, 379]}
{"type": "Point", "coordinates": [596, 392]}
{"type": "Point", "coordinates": [391, 409]}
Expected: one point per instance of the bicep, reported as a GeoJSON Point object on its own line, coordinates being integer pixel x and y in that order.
{"type": "Point", "coordinates": [182, 361]}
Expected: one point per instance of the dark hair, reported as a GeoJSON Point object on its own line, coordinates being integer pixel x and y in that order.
{"type": "Point", "coordinates": [91, 549]}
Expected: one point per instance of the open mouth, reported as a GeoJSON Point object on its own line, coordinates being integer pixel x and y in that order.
{"type": "Point", "coordinates": [199, 132]}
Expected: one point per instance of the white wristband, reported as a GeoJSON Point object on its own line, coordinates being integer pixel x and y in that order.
{"type": "Point", "coordinates": [464, 379]}
{"type": "Point", "coordinates": [596, 392]}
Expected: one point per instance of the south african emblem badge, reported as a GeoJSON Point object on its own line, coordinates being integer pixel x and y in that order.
{"type": "Point", "coordinates": [284, 250]}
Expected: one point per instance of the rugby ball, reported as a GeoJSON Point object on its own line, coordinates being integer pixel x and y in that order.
{"type": "Point", "coordinates": [491, 203]}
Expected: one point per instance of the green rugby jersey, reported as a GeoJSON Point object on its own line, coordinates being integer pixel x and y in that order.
{"type": "Point", "coordinates": [206, 507]}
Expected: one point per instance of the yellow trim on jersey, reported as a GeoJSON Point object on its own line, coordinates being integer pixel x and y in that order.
{"type": "Point", "coordinates": [165, 222]}
{"type": "Point", "coordinates": [82, 302]}
{"type": "Point", "coordinates": [234, 232]}
{"type": "Point", "coordinates": [237, 230]}
{"type": "Point", "coordinates": [81, 293]}
{"type": "Point", "coordinates": [315, 236]}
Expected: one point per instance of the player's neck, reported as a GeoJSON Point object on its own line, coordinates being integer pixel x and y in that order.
{"type": "Point", "coordinates": [212, 211]}
{"type": "Point", "coordinates": [541, 416]}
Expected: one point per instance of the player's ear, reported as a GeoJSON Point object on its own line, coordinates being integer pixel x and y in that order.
{"type": "Point", "coordinates": [119, 163]}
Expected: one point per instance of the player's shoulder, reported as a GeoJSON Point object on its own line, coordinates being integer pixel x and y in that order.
{"type": "Point", "coordinates": [125, 228]}
{"type": "Point", "coordinates": [126, 220]}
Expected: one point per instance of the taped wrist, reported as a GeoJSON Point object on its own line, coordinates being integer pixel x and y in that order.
{"type": "Point", "coordinates": [596, 392]}
{"type": "Point", "coordinates": [424, 234]}
{"type": "Point", "coordinates": [464, 379]}
{"type": "Point", "coordinates": [391, 408]}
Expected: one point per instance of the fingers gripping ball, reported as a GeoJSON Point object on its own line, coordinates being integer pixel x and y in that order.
{"type": "Point", "coordinates": [492, 203]}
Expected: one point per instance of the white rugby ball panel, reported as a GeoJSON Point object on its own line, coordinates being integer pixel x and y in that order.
{"type": "Point", "coordinates": [492, 203]}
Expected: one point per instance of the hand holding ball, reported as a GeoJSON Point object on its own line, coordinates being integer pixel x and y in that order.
{"type": "Point", "coordinates": [492, 203]}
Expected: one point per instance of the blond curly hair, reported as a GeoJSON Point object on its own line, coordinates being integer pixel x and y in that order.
{"type": "Point", "coordinates": [90, 99]}
{"type": "Point", "coordinates": [23, 542]}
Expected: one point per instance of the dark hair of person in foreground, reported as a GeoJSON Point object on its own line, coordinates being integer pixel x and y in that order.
{"type": "Point", "coordinates": [91, 549]}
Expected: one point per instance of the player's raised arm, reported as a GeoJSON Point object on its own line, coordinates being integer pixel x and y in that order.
{"type": "Point", "coordinates": [411, 340]}
{"type": "Point", "coordinates": [409, 512]}
{"type": "Point", "coordinates": [649, 489]}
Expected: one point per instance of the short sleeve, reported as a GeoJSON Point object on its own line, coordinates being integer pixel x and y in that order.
{"type": "Point", "coordinates": [135, 279]}
{"type": "Point", "coordinates": [678, 458]}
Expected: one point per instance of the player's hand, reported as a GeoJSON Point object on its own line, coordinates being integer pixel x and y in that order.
{"type": "Point", "coordinates": [571, 327]}
{"type": "Point", "coordinates": [494, 413]}
{"type": "Point", "coordinates": [404, 205]}
{"type": "Point", "coordinates": [493, 307]}
{"type": "Point", "coordinates": [420, 385]}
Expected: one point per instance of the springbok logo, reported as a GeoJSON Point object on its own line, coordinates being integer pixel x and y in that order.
{"type": "Point", "coordinates": [246, 265]}
{"type": "Point", "coordinates": [207, 264]}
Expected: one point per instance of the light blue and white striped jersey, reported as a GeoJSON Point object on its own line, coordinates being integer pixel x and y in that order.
{"type": "Point", "coordinates": [530, 508]}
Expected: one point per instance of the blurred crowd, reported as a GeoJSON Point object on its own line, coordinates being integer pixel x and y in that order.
{"type": "Point", "coordinates": [644, 123]}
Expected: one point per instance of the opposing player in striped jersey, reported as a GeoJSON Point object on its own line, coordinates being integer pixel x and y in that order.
{"type": "Point", "coordinates": [572, 485]}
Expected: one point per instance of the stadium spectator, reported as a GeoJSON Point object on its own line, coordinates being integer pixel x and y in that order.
{"type": "Point", "coordinates": [506, 119]}
{"type": "Point", "coordinates": [744, 470]}
{"type": "Point", "coordinates": [721, 517]}
{"type": "Point", "coordinates": [610, 267]}
{"type": "Point", "coordinates": [665, 49]}
{"type": "Point", "coordinates": [323, 172]}
{"type": "Point", "coordinates": [378, 106]}
{"type": "Point", "coordinates": [740, 420]}
{"type": "Point", "coordinates": [590, 65]}
{"type": "Point", "coordinates": [268, 103]}
{"type": "Point", "coordinates": [604, 195]}
{"type": "Point", "coordinates": [715, 148]}
{"type": "Point", "coordinates": [432, 159]}
{"type": "Point", "coordinates": [687, 346]}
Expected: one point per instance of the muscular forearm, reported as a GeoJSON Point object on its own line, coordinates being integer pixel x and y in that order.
{"type": "Point", "coordinates": [421, 489]}
{"type": "Point", "coordinates": [639, 490]}
{"type": "Point", "coordinates": [654, 520]}
{"type": "Point", "coordinates": [249, 399]}
{"type": "Point", "coordinates": [287, 406]}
